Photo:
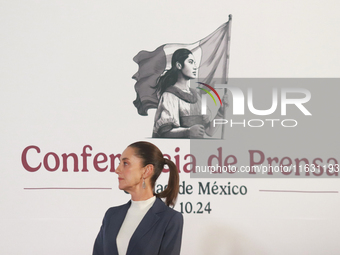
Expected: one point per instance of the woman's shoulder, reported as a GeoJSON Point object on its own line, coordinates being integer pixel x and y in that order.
{"type": "Point", "coordinates": [174, 92]}
{"type": "Point", "coordinates": [115, 209]}
{"type": "Point", "coordinates": [175, 215]}
{"type": "Point", "coordinates": [168, 95]}
{"type": "Point", "coordinates": [166, 210]}
{"type": "Point", "coordinates": [171, 218]}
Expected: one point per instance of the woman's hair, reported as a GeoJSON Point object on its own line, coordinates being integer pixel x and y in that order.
{"type": "Point", "coordinates": [150, 154]}
{"type": "Point", "coordinates": [170, 77]}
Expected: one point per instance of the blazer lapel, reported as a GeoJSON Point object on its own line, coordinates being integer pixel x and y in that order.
{"type": "Point", "coordinates": [116, 222]}
{"type": "Point", "coordinates": [149, 220]}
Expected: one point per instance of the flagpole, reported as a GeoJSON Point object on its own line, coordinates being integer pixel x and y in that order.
{"type": "Point", "coordinates": [225, 90]}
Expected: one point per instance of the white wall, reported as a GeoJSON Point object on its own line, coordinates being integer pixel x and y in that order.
{"type": "Point", "coordinates": [65, 80]}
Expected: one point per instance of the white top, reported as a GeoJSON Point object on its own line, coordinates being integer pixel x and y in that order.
{"type": "Point", "coordinates": [133, 217]}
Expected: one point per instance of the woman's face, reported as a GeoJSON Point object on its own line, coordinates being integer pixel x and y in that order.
{"type": "Point", "coordinates": [130, 171]}
{"type": "Point", "coordinates": [190, 69]}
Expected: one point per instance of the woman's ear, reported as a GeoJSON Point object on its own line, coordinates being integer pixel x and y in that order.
{"type": "Point", "coordinates": [149, 169]}
{"type": "Point", "coordinates": [178, 65]}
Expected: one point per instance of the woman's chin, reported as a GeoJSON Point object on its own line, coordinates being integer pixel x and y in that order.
{"type": "Point", "coordinates": [121, 187]}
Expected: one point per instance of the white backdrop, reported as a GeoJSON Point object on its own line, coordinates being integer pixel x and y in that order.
{"type": "Point", "coordinates": [66, 69]}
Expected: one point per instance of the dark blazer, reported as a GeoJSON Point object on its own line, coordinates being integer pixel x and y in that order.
{"type": "Point", "coordinates": [159, 232]}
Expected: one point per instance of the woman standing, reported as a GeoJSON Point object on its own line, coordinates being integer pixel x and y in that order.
{"type": "Point", "coordinates": [179, 108]}
{"type": "Point", "coordinates": [145, 225]}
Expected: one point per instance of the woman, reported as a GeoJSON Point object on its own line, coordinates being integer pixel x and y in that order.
{"type": "Point", "coordinates": [179, 108]}
{"type": "Point", "coordinates": [145, 225]}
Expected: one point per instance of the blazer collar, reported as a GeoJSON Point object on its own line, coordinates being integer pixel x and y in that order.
{"type": "Point", "coordinates": [116, 222]}
{"type": "Point", "coordinates": [149, 220]}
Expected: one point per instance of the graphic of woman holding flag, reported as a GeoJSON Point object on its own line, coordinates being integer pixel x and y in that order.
{"type": "Point", "coordinates": [163, 81]}
{"type": "Point", "coordinates": [179, 110]}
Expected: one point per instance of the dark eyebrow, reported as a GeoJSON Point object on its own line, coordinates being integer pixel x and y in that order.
{"type": "Point", "coordinates": [124, 159]}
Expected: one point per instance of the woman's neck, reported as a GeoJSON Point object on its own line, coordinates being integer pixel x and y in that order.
{"type": "Point", "coordinates": [142, 195]}
{"type": "Point", "coordinates": [182, 83]}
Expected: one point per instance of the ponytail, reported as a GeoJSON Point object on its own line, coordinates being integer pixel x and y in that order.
{"type": "Point", "coordinates": [171, 192]}
{"type": "Point", "coordinates": [167, 80]}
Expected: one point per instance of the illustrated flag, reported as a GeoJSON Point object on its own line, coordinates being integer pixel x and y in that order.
{"type": "Point", "coordinates": [212, 58]}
